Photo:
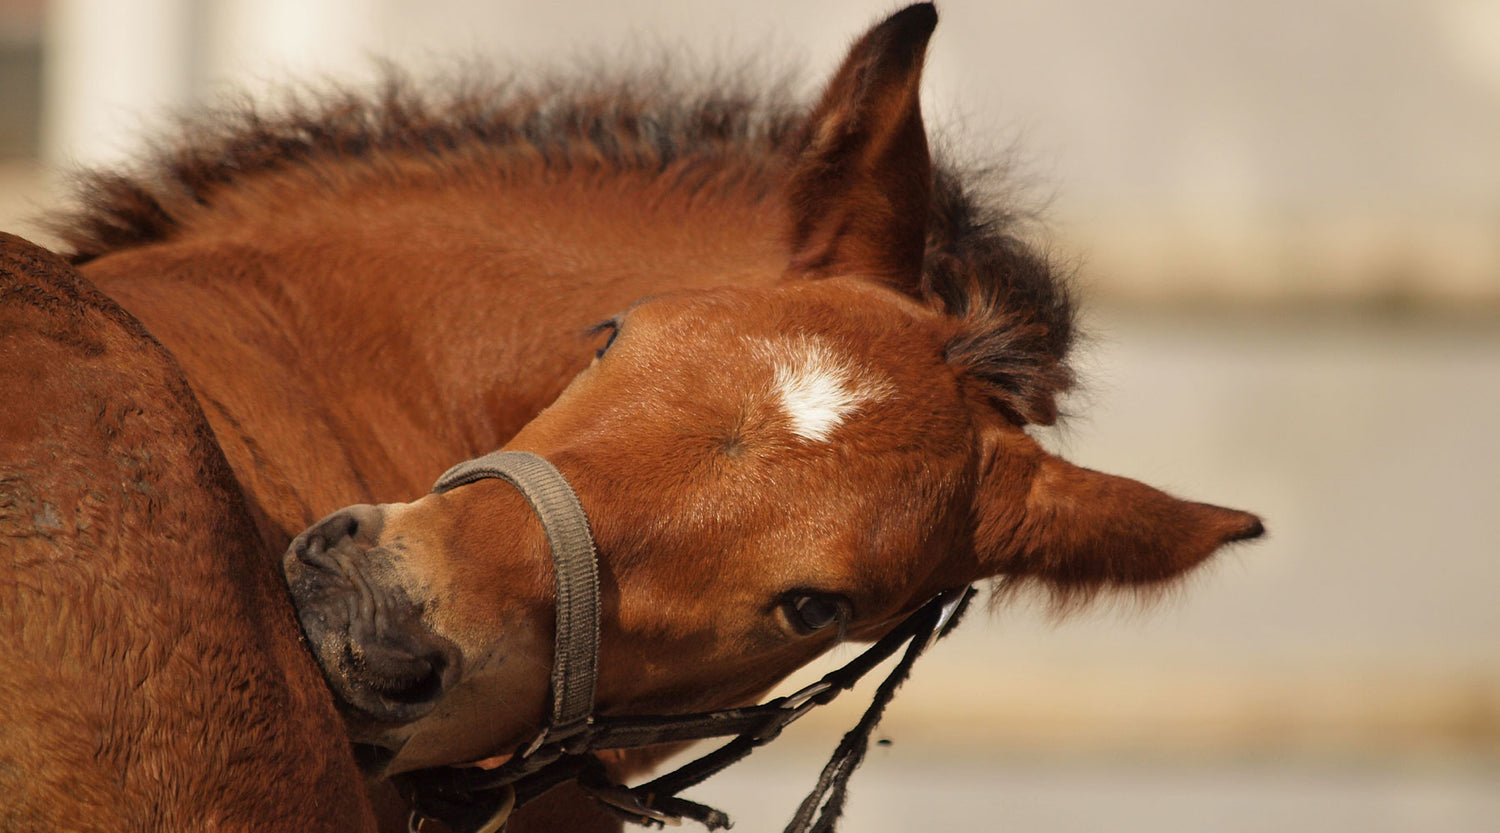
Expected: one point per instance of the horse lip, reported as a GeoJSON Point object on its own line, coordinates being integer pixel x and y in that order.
{"type": "Point", "coordinates": [372, 709]}
{"type": "Point", "coordinates": [383, 665]}
{"type": "Point", "coordinates": [335, 577]}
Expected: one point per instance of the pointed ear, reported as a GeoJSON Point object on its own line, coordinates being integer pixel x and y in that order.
{"type": "Point", "coordinates": [1076, 532]}
{"type": "Point", "coordinates": [861, 184]}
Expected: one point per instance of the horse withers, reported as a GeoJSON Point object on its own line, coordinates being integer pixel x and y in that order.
{"type": "Point", "coordinates": [805, 417]}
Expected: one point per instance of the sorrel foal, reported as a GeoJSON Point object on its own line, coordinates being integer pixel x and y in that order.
{"type": "Point", "coordinates": [818, 354]}
{"type": "Point", "coordinates": [805, 418]}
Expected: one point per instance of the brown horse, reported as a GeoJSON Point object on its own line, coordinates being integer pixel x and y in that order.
{"type": "Point", "coordinates": [151, 674]}
{"type": "Point", "coordinates": [818, 356]}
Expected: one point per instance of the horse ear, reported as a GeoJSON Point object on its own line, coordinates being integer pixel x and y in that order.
{"type": "Point", "coordinates": [861, 184]}
{"type": "Point", "coordinates": [1076, 532]}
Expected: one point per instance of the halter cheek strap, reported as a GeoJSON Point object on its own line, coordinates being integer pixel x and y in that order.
{"type": "Point", "coordinates": [575, 651]}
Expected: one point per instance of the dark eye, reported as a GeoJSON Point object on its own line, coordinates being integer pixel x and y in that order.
{"type": "Point", "coordinates": [810, 612]}
{"type": "Point", "coordinates": [612, 326]}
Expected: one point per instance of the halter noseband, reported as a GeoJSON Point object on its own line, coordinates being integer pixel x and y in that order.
{"type": "Point", "coordinates": [471, 800]}
{"type": "Point", "coordinates": [575, 650]}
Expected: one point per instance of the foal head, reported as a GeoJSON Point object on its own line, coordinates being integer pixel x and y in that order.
{"type": "Point", "coordinates": [768, 469]}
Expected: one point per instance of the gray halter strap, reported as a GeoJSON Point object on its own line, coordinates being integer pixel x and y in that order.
{"type": "Point", "coordinates": [575, 653]}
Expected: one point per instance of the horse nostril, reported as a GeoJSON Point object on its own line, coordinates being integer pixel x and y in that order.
{"type": "Point", "coordinates": [358, 525]}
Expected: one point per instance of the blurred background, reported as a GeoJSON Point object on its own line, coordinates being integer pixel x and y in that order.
{"type": "Point", "coordinates": [1285, 219]}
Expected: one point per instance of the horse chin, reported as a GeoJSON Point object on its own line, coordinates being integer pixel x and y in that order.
{"type": "Point", "coordinates": [389, 676]}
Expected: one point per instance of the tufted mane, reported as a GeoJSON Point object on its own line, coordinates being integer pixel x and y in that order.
{"type": "Point", "coordinates": [1018, 317]}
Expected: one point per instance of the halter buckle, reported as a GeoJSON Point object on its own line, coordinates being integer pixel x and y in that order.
{"type": "Point", "coordinates": [541, 738]}
{"type": "Point", "coordinates": [945, 616]}
{"type": "Point", "coordinates": [622, 800]}
{"type": "Point", "coordinates": [798, 699]}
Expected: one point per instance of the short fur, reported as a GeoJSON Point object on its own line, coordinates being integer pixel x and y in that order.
{"type": "Point", "coordinates": [153, 678]}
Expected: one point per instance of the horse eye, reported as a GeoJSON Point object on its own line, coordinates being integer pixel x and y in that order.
{"type": "Point", "coordinates": [614, 332]}
{"type": "Point", "coordinates": [813, 611]}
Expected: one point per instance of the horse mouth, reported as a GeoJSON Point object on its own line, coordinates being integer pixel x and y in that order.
{"type": "Point", "coordinates": [396, 674]}
{"type": "Point", "coordinates": [383, 665]}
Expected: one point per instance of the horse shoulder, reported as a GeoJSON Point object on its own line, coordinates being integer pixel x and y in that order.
{"type": "Point", "coordinates": [153, 675]}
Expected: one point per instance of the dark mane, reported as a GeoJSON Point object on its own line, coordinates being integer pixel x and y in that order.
{"type": "Point", "coordinates": [631, 121]}
{"type": "Point", "coordinates": [1019, 317]}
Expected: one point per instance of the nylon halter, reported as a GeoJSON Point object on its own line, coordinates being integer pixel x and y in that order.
{"type": "Point", "coordinates": [575, 649]}
{"type": "Point", "coordinates": [470, 800]}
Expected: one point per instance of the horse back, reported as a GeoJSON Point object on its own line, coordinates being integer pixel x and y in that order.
{"type": "Point", "coordinates": [150, 664]}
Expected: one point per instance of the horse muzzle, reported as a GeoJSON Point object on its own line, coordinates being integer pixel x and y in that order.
{"type": "Point", "coordinates": [362, 623]}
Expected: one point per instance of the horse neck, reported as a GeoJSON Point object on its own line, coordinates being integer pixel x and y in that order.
{"type": "Point", "coordinates": [350, 343]}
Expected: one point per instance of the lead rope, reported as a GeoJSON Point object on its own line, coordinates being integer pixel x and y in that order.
{"type": "Point", "coordinates": [656, 803]}
{"type": "Point", "coordinates": [832, 789]}
{"type": "Point", "coordinates": [466, 799]}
